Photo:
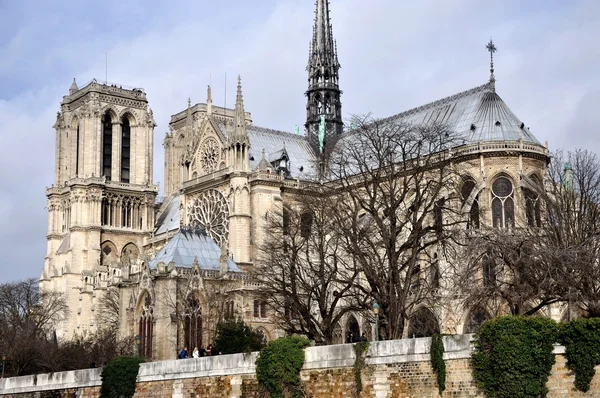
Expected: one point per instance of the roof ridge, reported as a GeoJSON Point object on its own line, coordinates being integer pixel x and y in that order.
{"type": "Point", "coordinates": [439, 102]}
{"type": "Point", "coordinates": [279, 132]}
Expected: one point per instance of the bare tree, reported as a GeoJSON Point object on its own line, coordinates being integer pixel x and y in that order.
{"type": "Point", "coordinates": [108, 310]}
{"type": "Point", "coordinates": [572, 230]}
{"type": "Point", "coordinates": [552, 255]}
{"type": "Point", "coordinates": [398, 208]}
{"type": "Point", "coordinates": [307, 279]}
{"type": "Point", "coordinates": [27, 317]}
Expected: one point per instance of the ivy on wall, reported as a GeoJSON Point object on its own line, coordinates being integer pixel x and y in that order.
{"type": "Point", "coordinates": [513, 356]}
{"type": "Point", "coordinates": [581, 339]}
{"type": "Point", "coordinates": [437, 361]}
{"type": "Point", "coordinates": [360, 349]}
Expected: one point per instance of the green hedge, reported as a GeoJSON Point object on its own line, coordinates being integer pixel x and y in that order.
{"type": "Point", "coordinates": [581, 339]}
{"type": "Point", "coordinates": [118, 377]}
{"type": "Point", "coordinates": [278, 367]}
{"type": "Point", "coordinates": [513, 356]}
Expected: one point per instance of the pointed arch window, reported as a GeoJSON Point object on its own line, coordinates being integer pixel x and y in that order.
{"type": "Point", "coordinates": [107, 146]}
{"type": "Point", "coordinates": [306, 221]}
{"type": "Point", "coordinates": [423, 324]}
{"type": "Point", "coordinates": [77, 153]}
{"type": "Point", "coordinates": [193, 323]}
{"type": "Point", "coordinates": [475, 319]}
{"type": "Point", "coordinates": [503, 205]}
{"type": "Point", "coordinates": [435, 272]}
{"type": "Point", "coordinates": [532, 205]}
{"type": "Point", "coordinates": [125, 150]}
{"type": "Point", "coordinates": [146, 327]}
{"type": "Point", "coordinates": [473, 216]}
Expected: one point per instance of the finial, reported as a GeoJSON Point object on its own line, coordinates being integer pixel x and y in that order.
{"type": "Point", "coordinates": [492, 49]}
{"type": "Point", "coordinates": [208, 94]}
{"type": "Point", "coordinates": [189, 102]}
{"type": "Point", "coordinates": [73, 87]}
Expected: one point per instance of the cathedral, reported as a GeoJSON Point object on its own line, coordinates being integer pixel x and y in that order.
{"type": "Point", "coordinates": [179, 263]}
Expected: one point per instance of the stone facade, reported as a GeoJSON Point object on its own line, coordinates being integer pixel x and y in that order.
{"type": "Point", "coordinates": [394, 369]}
{"type": "Point", "coordinates": [179, 264]}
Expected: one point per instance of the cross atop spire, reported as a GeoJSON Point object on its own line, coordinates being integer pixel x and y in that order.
{"type": "Point", "coordinates": [492, 49]}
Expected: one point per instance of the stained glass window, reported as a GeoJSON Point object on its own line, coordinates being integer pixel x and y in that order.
{"type": "Point", "coordinates": [503, 206]}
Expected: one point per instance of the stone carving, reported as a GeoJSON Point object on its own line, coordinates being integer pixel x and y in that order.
{"type": "Point", "coordinates": [210, 211]}
{"type": "Point", "coordinates": [209, 155]}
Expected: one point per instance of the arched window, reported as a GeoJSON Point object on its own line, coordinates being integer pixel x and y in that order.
{"type": "Point", "coordinates": [352, 330]}
{"type": "Point", "coordinates": [306, 224]}
{"type": "Point", "coordinates": [423, 324]}
{"type": "Point", "coordinates": [476, 318]}
{"type": "Point", "coordinates": [193, 323]}
{"type": "Point", "coordinates": [129, 253]}
{"type": "Point", "coordinates": [286, 221]}
{"type": "Point", "coordinates": [489, 270]}
{"type": "Point", "coordinates": [532, 205]}
{"type": "Point", "coordinates": [435, 272]}
{"type": "Point", "coordinates": [466, 191]}
{"type": "Point", "coordinates": [77, 153]}
{"type": "Point", "coordinates": [146, 327]}
{"type": "Point", "coordinates": [125, 150]}
{"type": "Point", "coordinates": [107, 146]}
{"type": "Point", "coordinates": [439, 215]}
{"type": "Point", "coordinates": [503, 205]}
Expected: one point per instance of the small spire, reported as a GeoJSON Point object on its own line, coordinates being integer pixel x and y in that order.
{"type": "Point", "coordinates": [189, 102]}
{"type": "Point", "coordinates": [73, 87]}
{"type": "Point", "coordinates": [240, 116]}
{"type": "Point", "coordinates": [208, 100]}
{"type": "Point", "coordinates": [492, 49]}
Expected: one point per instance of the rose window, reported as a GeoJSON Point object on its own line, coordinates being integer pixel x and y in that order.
{"type": "Point", "coordinates": [210, 212]}
{"type": "Point", "coordinates": [209, 155]}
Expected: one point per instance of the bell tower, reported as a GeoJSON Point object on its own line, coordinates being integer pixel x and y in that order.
{"type": "Point", "coordinates": [101, 205]}
{"type": "Point", "coordinates": [323, 106]}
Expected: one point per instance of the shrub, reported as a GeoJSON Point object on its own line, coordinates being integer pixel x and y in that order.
{"type": "Point", "coordinates": [234, 336]}
{"type": "Point", "coordinates": [437, 361]}
{"type": "Point", "coordinates": [513, 356]}
{"type": "Point", "coordinates": [278, 366]}
{"type": "Point", "coordinates": [581, 339]}
{"type": "Point", "coordinates": [118, 377]}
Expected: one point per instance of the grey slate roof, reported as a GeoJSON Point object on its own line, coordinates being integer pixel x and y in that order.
{"type": "Point", "coordinates": [188, 245]}
{"type": "Point", "coordinates": [274, 141]}
{"type": "Point", "coordinates": [476, 115]}
{"type": "Point", "coordinates": [168, 220]}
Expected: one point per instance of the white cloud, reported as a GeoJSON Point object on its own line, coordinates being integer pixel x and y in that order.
{"type": "Point", "coordinates": [395, 55]}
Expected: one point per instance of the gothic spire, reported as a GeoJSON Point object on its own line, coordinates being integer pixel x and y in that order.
{"type": "Point", "coordinates": [492, 49]}
{"type": "Point", "coordinates": [240, 115]}
{"type": "Point", "coordinates": [208, 100]}
{"type": "Point", "coordinates": [324, 106]}
{"type": "Point", "coordinates": [322, 49]}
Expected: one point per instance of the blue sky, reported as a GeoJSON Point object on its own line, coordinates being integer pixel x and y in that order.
{"type": "Point", "coordinates": [395, 55]}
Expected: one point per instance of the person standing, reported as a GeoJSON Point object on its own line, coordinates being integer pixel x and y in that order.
{"type": "Point", "coordinates": [195, 353]}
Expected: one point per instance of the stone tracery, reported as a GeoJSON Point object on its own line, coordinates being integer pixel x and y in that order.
{"type": "Point", "coordinates": [210, 211]}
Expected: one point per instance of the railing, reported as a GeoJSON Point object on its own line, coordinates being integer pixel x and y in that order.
{"type": "Point", "coordinates": [113, 87]}
{"type": "Point", "coordinates": [208, 177]}
{"type": "Point", "coordinates": [500, 145]}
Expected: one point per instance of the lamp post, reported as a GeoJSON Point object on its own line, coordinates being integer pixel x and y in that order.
{"type": "Point", "coordinates": [3, 362]}
{"type": "Point", "coordinates": [137, 343]}
{"type": "Point", "coordinates": [376, 312]}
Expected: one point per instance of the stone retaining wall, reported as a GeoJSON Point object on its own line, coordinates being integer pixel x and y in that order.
{"type": "Point", "coordinates": [398, 368]}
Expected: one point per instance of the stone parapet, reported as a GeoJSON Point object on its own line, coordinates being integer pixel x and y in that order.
{"type": "Point", "coordinates": [396, 368]}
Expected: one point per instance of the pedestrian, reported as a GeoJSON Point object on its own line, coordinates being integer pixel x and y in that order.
{"type": "Point", "coordinates": [363, 337]}
{"type": "Point", "coordinates": [209, 350]}
{"type": "Point", "coordinates": [183, 353]}
{"type": "Point", "coordinates": [195, 353]}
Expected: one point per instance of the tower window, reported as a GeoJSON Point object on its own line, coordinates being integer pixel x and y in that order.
{"type": "Point", "coordinates": [503, 205]}
{"type": "Point", "coordinates": [125, 150]}
{"type": "Point", "coordinates": [107, 146]}
{"type": "Point", "coordinates": [466, 191]}
{"type": "Point", "coordinates": [77, 153]}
